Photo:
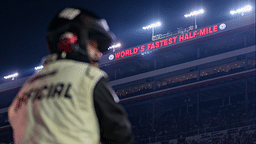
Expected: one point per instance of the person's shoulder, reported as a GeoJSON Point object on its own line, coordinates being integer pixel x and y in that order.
{"type": "Point", "coordinates": [72, 64]}
{"type": "Point", "coordinates": [96, 70]}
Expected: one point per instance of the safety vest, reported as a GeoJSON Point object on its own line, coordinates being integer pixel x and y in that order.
{"type": "Point", "coordinates": [56, 105]}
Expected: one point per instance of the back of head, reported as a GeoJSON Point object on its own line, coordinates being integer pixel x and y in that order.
{"type": "Point", "coordinates": [70, 29]}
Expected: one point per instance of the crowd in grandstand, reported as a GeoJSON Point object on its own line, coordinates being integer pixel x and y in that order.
{"type": "Point", "coordinates": [3, 119]}
{"type": "Point", "coordinates": [148, 87]}
{"type": "Point", "coordinates": [172, 125]}
{"type": "Point", "coordinates": [215, 118]}
{"type": "Point", "coordinates": [243, 138]}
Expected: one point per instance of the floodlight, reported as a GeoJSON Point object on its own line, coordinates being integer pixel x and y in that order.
{"type": "Point", "coordinates": [242, 10]}
{"type": "Point", "coordinates": [118, 45]}
{"type": "Point", "coordinates": [194, 13]}
{"type": "Point", "coordinates": [152, 26]}
{"type": "Point", "coordinates": [39, 67]}
{"type": "Point", "coordinates": [115, 46]}
{"type": "Point", "coordinates": [11, 76]}
{"type": "Point", "coordinates": [157, 24]}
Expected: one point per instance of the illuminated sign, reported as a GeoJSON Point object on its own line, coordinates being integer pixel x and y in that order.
{"type": "Point", "coordinates": [166, 42]}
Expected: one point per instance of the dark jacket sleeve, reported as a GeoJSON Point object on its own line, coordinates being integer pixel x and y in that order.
{"type": "Point", "coordinates": [115, 127]}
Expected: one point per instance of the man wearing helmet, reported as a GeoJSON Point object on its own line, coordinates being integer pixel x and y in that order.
{"type": "Point", "coordinates": [70, 101]}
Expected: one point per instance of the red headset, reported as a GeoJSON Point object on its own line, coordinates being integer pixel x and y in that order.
{"type": "Point", "coordinates": [66, 41]}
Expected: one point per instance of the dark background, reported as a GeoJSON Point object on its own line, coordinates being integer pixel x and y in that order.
{"type": "Point", "coordinates": [24, 23]}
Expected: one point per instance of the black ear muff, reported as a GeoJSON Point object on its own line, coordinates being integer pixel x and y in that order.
{"type": "Point", "coordinates": [66, 41]}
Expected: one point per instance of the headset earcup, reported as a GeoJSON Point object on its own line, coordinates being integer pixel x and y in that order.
{"type": "Point", "coordinates": [66, 40]}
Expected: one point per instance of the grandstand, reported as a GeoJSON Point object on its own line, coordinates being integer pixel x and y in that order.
{"type": "Point", "coordinates": [195, 86]}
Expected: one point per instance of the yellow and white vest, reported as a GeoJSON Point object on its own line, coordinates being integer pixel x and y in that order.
{"type": "Point", "coordinates": [56, 105]}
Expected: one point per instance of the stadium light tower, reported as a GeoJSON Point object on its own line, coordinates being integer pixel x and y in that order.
{"type": "Point", "coordinates": [38, 68]}
{"type": "Point", "coordinates": [242, 10]}
{"type": "Point", "coordinates": [152, 26]}
{"type": "Point", "coordinates": [118, 45]}
{"type": "Point", "coordinates": [12, 76]}
{"type": "Point", "coordinates": [194, 13]}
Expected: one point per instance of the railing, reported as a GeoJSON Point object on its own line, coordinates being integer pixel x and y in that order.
{"type": "Point", "coordinates": [194, 132]}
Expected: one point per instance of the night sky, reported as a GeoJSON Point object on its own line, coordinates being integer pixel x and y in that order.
{"type": "Point", "coordinates": [24, 23]}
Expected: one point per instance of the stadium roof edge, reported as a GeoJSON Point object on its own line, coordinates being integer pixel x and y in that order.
{"type": "Point", "coordinates": [181, 66]}
{"type": "Point", "coordinates": [3, 110]}
{"type": "Point", "coordinates": [12, 84]}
